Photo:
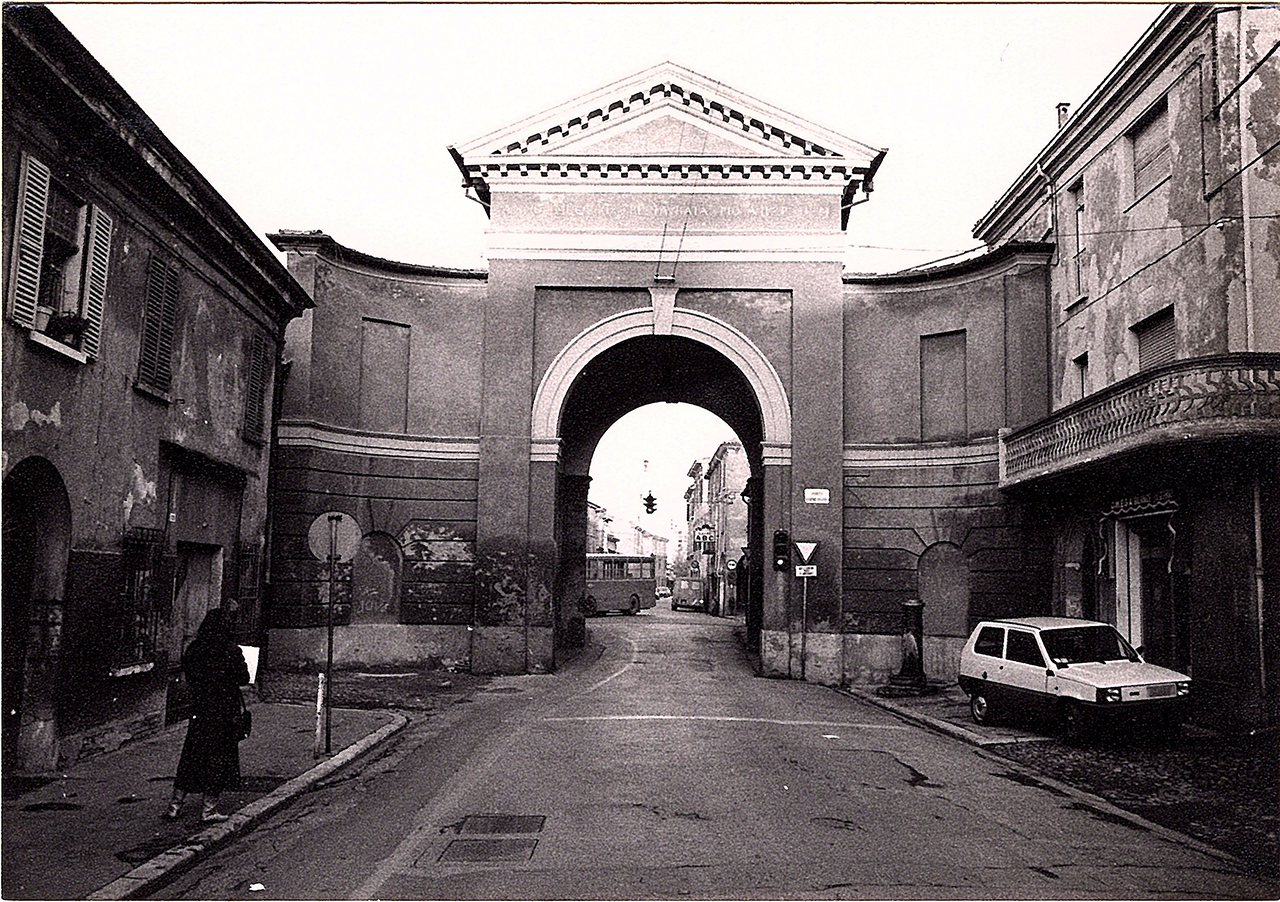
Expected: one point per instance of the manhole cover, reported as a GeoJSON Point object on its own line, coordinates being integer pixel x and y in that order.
{"type": "Point", "coordinates": [503, 823]}
{"type": "Point", "coordinates": [53, 806]}
{"type": "Point", "coordinates": [489, 850]}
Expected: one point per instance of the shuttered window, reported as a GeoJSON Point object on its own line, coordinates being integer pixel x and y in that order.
{"type": "Point", "coordinates": [1152, 160]}
{"type": "Point", "coordinates": [61, 260]}
{"type": "Point", "coordinates": [1157, 339]}
{"type": "Point", "coordinates": [33, 202]}
{"type": "Point", "coordinates": [155, 362]}
{"type": "Point", "coordinates": [255, 410]}
{"type": "Point", "coordinates": [98, 242]}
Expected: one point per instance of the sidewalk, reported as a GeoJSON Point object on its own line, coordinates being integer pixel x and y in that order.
{"type": "Point", "coordinates": [1217, 792]}
{"type": "Point", "coordinates": [95, 831]}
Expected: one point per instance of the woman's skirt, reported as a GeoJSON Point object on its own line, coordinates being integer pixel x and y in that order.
{"type": "Point", "coordinates": [210, 760]}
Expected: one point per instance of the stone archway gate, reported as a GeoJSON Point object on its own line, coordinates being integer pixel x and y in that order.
{"type": "Point", "coordinates": [665, 204]}
{"type": "Point", "coordinates": [698, 212]}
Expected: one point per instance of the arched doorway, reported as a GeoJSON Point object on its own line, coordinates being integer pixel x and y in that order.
{"type": "Point", "coordinates": [621, 376]}
{"type": "Point", "coordinates": [37, 544]}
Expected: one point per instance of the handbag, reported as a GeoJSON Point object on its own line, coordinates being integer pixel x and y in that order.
{"type": "Point", "coordinates": [243, 721]}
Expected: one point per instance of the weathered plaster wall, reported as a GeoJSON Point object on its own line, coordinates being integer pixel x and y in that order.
{"type": "Point", "coordinates": [926, 520]}
{"type": "Point", "coordinates": [414, 486]}
{"type": "Point", "coordinates": [112, 443]}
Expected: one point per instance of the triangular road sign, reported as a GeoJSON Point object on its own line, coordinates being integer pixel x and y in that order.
{"type": "Point", "coordinates": [806, 550]}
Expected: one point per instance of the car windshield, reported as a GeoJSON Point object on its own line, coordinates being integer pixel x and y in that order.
{"type": "Point", "coordinates": [1081, 644]}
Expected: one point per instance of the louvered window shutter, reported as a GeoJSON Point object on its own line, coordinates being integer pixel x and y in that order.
{"type": "Point", "coordinates": [98, 244]}
{"type": "Point", "coordinates": [159, 321]}
{"type": "Point", "coordinates": [255, 403]}
{"type": "Point", "coordinates": [33, 204]}
{"type": "Point", "coordinates": [1151, 157]}
{"type": "Point", "coordinates": [1157, 340]}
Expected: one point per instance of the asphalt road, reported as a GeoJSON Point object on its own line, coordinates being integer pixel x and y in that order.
{"type": "Point", "coordinates": [662, 768]}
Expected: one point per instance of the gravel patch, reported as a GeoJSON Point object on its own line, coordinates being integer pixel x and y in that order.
{"type": "Point", "coordinates": [1222, 790]}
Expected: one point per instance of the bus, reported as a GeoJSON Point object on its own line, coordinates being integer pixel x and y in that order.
{"type": "Point", "coordinates": [620, 582]}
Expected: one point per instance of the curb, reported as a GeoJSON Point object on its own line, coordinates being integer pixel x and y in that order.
{"type": "Point", "coordinates": [955, 731]}
{"type": "Point", "coordinates": [147, 876]}
{"type": "Point", "coordinates": [1098, 803]}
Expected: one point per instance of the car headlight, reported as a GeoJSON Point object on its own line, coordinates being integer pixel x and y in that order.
{"type": "Point", "coordinates": [1184, 687]}
{"type": "Point", "coordinates": [1109, 695]}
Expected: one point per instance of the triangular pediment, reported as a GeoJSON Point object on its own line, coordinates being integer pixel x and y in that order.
{"type": "Point", "coordinates": [666, 129]}
{"type": "Point", "coordinates": [669, 112]}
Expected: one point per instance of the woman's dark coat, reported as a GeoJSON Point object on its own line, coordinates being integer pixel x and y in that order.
{"type": "Point", "coordinates": [215, 670]}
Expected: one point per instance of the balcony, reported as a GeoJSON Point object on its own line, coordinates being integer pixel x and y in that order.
{"type": "Point", "coordinates": [1206, 397]}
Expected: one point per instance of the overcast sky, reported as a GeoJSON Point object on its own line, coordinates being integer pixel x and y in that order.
{"type": "Point", "coordinates": [336, 117]}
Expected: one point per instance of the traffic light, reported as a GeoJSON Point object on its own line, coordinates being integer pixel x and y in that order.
{"type": "Point", "coordinates": [781, 550]}
{"type": "Point", "coordinates": [650, 503]}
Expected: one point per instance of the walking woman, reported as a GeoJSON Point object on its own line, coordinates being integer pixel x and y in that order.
{"type": "Point", "coordinates": [210, 760]}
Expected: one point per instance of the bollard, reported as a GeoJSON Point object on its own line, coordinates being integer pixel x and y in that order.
{"type": "Point", "coordinates": [910, 679]}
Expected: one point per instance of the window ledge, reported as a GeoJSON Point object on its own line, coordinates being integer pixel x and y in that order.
{"type": "Point", "coordinates": [57, 347]}
{"type": "Point", "coordinates": [131, 669]}
{"type": "Point", "coordinates": [162, 396]}
{"type": "Point", "coordinates": [1077, 303]}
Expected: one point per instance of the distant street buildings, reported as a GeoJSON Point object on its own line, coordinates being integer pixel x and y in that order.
{"type": "Point", "coordinates": [717, 524]}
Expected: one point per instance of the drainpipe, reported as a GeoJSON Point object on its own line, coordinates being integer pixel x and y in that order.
{"type": "Point", "coordinates": [1259, 586]}
{"type": "Point", "coordinates": [1245, 194]}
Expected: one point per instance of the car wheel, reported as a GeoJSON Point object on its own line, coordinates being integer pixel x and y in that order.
{"type": "Point", "coordinates": [589, 606]}
{"type": "Point", "coordinates": [1074, 722]}
{"type": "Point", "coordinates": [635, 605]}
{"type": "Point", "coordinates": [980, 708]}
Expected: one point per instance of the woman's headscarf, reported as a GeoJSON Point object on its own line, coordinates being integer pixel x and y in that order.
{"type": "Point", "coordinates": [215, 627]}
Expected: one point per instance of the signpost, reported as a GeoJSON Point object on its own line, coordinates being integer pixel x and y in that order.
{"type": "Point", "coordinates": [333, 536]}
{"type": "Point", "coordinates": [805, 571]}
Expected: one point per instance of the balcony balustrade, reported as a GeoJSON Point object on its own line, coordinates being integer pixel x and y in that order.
{"type": "Point", "coordinates": [1201, 398]}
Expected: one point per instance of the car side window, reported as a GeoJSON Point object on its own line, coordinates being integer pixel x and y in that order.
{"type": "Point", "coordinates": [1023, 648]}
{"type": "Point", "coordinates": [990, 642]}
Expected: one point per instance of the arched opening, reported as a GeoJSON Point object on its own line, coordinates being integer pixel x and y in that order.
{"type": "Point", "coordinates": [375, 580]}
{"type": "Point", "coordinates": [944, 584]}
{"type": "Point", "coordinates": [37, 544]}
{"type": "Point", "coordinates": [635, 372]}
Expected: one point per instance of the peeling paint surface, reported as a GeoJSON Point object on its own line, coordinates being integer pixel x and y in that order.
{"type": "Point", "coordinates": [20, 415]}
{"type": "Point", "coordinates": [142, 491]}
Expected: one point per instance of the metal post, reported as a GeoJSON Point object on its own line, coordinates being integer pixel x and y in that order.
{"type": "Point", "coordinates": [910, 680]}
{"type": "Point", "coordinates": [334, 519]}
{"type": "Point", "coordinates": [804, 624]}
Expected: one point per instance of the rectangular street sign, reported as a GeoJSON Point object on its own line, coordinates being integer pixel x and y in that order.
{"type": "Point", "coordinates": [817, 496]}
{"type": "Point", "coordinates": [806, 569]}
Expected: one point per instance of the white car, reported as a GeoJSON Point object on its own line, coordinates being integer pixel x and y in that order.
{"type": "Point", "coordinates": [1075, 671]}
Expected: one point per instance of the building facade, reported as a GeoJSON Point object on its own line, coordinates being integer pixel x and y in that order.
{"type": "Point", "coordinates": [502, 382]}
{"type": "Point", "coordinates": [143, 324]}
{"type": "Point", "coordinates": [1080, 421]}
{"type": "Point", "coordinates": [722, 515]}
{"type": "Point", "coordinates": [1158, 464]}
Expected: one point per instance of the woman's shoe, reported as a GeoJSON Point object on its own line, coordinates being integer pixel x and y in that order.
{"type": "Point", "coordinates": [209, 813]}
{"type": "Point", "coordinates": [171, 813]}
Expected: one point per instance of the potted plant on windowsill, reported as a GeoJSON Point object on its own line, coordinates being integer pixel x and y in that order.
{"type": "Point", "coordinates": [67, 327]}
